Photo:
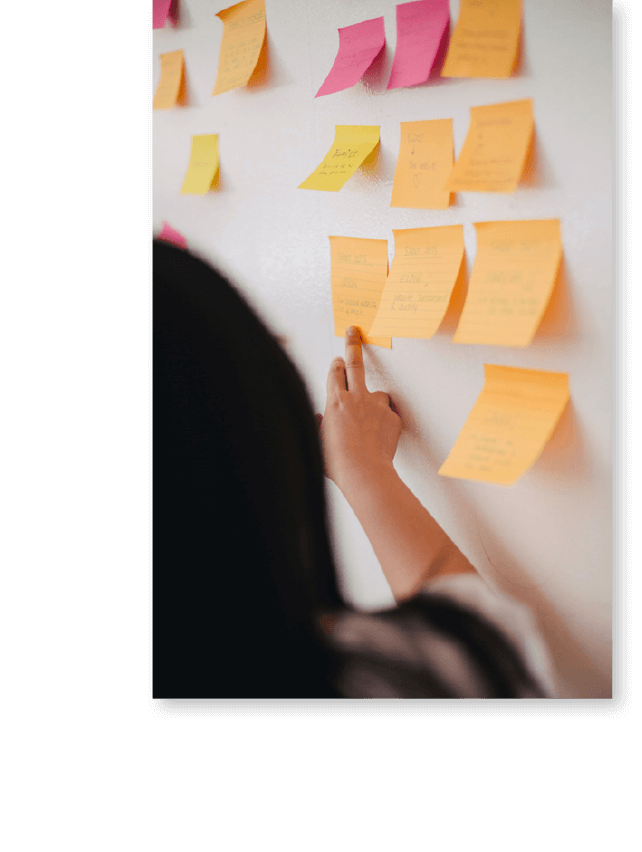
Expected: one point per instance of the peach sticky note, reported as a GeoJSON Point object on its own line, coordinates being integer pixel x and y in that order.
{"type": "Point", "coordinates": [421, 281]}
{"type": "Point", "coordinates": [358, 271]}
{"type": "Point", "coordinates": [420, 29]}
{"type": "Point", "coordinates": [171, 81]}
{"type": "Point", "coordinates": [202, 171]}
{"type": "Point", "coordinates": [171, 235]}
{"type": "Point", "coordinates": [359, 46]}
{"type": "Point", "coordinates": [495, 149]}
{"type": "Point", "coordinates": [424, 164]}
{"type": "Point", "coordinates": [511, 282]}
{"type": "Point", "coordinates": [244, 31]}
{"type": "Point", "coordinates": [508, 426]}
{"type": "Point", "coordinates": [161, 10]}
{"type": "Point", "coordinates": [353, 143]}
{"type": "Point", "coordinates": [485, 40]}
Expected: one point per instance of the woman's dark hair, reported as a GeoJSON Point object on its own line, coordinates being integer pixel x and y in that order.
{"type": "Point", "coordinates": [242, 563]}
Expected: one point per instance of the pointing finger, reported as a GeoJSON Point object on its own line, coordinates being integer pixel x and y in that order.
{"type": "Point", "coordinates": [355, 371]}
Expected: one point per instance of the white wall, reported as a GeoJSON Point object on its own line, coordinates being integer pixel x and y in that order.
{"type": "Point", "coordinates": [546, 540]}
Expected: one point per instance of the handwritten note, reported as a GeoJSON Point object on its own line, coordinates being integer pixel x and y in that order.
{"type": "Point", "coordinates": [358, 271]}
{"type": "Point", "coordinates": [202, 171]}
{"type": "Point", "coordinates": [353, 144]}
{"type": "Point", "coordinates": [244, 31]}
{"type": "Point", "coordinates": [495, 149]}
{"type": "Point", "coordinates": [424, 164]}
{"type": "Point", "coordinates": [171, 235]}
{"type": "Point", "coordinates": [422, 276]}
{"type": "Point", "coordinates": [161, 10]}
{"type": "Point", "coordinates": [359, 46]}
{"type": "Point", "coordinates": [485, 40]}
{"type": "Point", "coordinates": [420, 28]}
{"type": "Point", "coordinates": [171, 83]}
{"type": "Point", "coordinates": [511, 282]}
{"type": "Point", "coordinates": [508, 426]}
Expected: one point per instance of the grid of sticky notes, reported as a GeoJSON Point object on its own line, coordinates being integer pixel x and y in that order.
{"type": "Point", "coordinates": [516, 262]}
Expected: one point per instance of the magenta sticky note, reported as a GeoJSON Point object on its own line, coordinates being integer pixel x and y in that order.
{"type": "Point", "coordinates": [171, 235]}
{"type": "Point", "coordinates": [420, 29]}
{"type": "Point", "coordinates": [161, 10]}
{"type": "Point", "coordinates": [359, 46]}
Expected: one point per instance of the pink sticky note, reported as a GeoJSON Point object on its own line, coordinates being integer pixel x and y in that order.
{"type": "Point", "coordinates": [420, 29]}
{"type": "Point", "coordinates": [171, 235]}
{"type": "Point", "coordinates": [161, 11]}
{"type": "Point", "coordinates": [359, 45]}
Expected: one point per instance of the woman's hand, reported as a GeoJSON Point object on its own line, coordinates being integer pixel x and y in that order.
{"type": "Point", "coordinates": [359, 430]}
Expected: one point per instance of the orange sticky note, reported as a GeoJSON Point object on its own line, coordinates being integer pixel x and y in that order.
{"type": "Point", "coordinates": [171, 81]}
{"type": "Point", "coordinates": [244, 31]}
{"type": "Point", "coordinates": [424, 164]}
{"type": "Point", "coordinates": [202, 172]}
{"type": "Point", "coordinates": [358, 271]}
{"type": "Point", "coordinates": [508, 426]}
{"type": "Point", "coordinates": [511, 282]}
{"type": "Point", "coordinates": [495, 150]}
{"type": "Point", "coordinates": [485, 40]}
{"type": "Point", "coordinates": [422, 276]}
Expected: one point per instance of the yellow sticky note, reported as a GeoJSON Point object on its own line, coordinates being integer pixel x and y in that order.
{"type": "Point", "coordinates": [171, 81]}
{"type": "Point", "coordinates": [243, 36]}
{"type": "Point", "coordinates": [511, 282]}
{"type": "Point", "coordinates": [353, 143]}
{"type": "Point", "coordinates": [358, 270]}
{"type": "Point", "coordinates": [422, 276]}
{"type": "Point", "coordinates": [424, 164]}
{"type": "Point", "coordinates": [202, 171]}
{"type": "Point", "coordinates": [495, 149]}
{"type": "Point", "coordinates": [508, 426]}
{"type": "Point", "coordinates": [485, 40]}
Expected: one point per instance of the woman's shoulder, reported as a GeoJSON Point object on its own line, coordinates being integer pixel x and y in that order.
{"type": "Point", "coordinates": [458, 638]}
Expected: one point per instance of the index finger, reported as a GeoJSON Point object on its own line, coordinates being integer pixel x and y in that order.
{"type": "Point", "coordinates": [355, 371]}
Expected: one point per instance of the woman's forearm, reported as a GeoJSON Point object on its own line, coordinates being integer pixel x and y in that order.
{"type": "Point", "coordinates": [409, 543]}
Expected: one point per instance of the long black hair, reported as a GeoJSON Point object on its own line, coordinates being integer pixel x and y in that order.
{"type": "Point", "coordinates": [243, 567]}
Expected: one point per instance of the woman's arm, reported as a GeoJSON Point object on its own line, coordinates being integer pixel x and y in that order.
{"type": "Point", "coordinates": [360, 433]}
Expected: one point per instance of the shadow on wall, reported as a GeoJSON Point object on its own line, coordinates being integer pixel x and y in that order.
{"type": "Point", "coordinates": [269, 70]}
{"type": "Point", "coordinates": [559, 319]}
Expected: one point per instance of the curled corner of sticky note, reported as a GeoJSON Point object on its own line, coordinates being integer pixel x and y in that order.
{"type": "Point", "coordinates": [171, 235]}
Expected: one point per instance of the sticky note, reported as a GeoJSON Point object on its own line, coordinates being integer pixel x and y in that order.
{"type": "Point", "coordinates": [244, 31]}
{"type": "Point", "coordinates": [203, 165]}
{"type": "Point", "coordinates": [171, 81]}
{"type": "Point", "coordinates": [353, 143]}
{"type": "Point", "coordinates": [421, 281]}
{"type": "Point", "coordinates": [171, 235]}
{"type": "Point", "coordinates": [359, 46]}
{"type": "Point", "coordinates": [420, 28]}
{"type": "Point", "coordinates": [358, 271]}
{"type": "Point", "coordinates": [495, 149]}
{"type": "Point", "coordinates": [424, 164]}
{"type": "Point", "coordinates": [508, 426]}
{"type": "Point", "coordinates": [485, 40]}
{"type": "Point", "coordinates": [511, 282]}
{"type": "Point", "coordinates": [160, 10]}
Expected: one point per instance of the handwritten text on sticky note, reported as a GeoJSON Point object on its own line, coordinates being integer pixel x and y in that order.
{"type": "Point", "coordinates": [244, 31]}
{"type": "Point", "coordinates": [485, 40]}
{"type": "Point", "coordinates": [352, 145]}
{"type": "Point", "coordinates": [359, 45]}
{"type": "Point", "coordinates": [424, 164]}
{"type": "Point", "coordinates": [358, 271]}
{"type": "Point", "coordinates": [420, 28]}
{"type": "Point", "coordinates": [202, 171]}
{"type": "Point", "coordinates": [495, 149]}
{"type": "Point", "coordinates": [509, 424]}
{"type": "Point", "coordinates": [422, 277]}
{"type": "Point", "coordinates": [170, 86]}
{"type": "Point", "coordinates": [511, 282]}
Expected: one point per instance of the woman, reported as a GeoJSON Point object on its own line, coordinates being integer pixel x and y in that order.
{"type": "Point", "coordinates": [246, 602]}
